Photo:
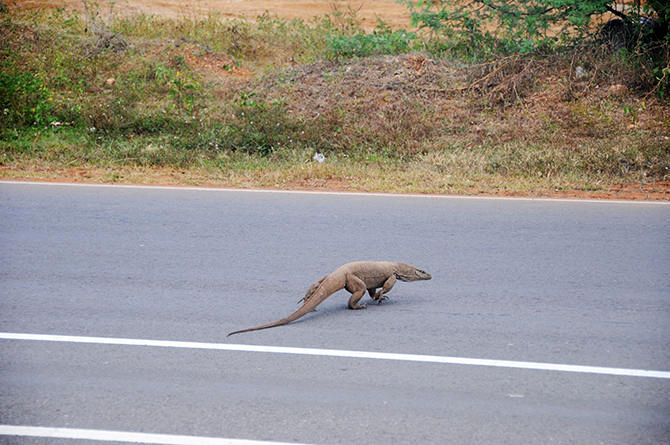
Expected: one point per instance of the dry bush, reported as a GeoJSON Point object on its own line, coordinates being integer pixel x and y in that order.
{"type": "Point", "coordinates": [508, 80]}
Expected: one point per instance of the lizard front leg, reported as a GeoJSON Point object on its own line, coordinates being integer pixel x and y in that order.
{"type": "Point", "coordinates": [388, 285]}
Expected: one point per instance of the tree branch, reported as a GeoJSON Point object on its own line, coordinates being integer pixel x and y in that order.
{"type": "Point", "coordinates": [619, 14]}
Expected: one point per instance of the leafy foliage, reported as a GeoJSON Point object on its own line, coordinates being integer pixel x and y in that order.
{"type": "Point", "coordinates": [488, 29]}
{"type": "Point", "coordinates": [382, 41]}
{"type": "Point", "coordinates": [259, 127]}
{"type": "Point", "coordinates": [526, 23]}
{"type": "Point", "coordinates": [24, 99]}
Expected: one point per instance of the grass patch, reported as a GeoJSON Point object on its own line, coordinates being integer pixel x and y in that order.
{"type": "Point", "coordinates": [231, 102]}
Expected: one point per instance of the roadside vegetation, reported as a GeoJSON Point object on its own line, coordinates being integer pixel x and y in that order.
{"type": "Point", "coordinates": [101, 96]}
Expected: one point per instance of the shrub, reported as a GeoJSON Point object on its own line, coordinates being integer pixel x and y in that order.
{"type": "Point", "coordinates": [382, 41]}
{"type": "Point", "coordinates": [25, 100]}
{"type": "Point", "coordinates": [259, 127]}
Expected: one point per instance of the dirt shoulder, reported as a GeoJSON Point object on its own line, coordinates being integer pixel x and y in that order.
{"type": "Point", "coordinates": [653, 191]}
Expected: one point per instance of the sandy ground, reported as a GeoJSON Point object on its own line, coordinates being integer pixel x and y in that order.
{"type": "Point", "coordinates": [390, 11]}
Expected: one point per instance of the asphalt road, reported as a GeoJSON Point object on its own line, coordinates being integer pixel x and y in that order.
{"type": "Point", "coordinates": [580, 283]}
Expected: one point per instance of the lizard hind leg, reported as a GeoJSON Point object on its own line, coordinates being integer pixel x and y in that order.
{"type": "Point", "coordinates": [312, 289]}
{"type": "Point", "coordinates": [357, 288]}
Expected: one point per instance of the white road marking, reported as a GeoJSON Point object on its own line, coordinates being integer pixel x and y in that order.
{"type": "Point", "coordinates": [321, 192]}
{"type": "Point", "coordinates": [627, 372]}
{"type": "Point", "coordinates": [123, 436]}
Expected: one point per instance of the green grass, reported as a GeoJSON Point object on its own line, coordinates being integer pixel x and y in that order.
{"type": "Point", "coordinates": [232, 102]}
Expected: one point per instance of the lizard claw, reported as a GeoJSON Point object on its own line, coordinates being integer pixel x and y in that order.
{"type": "Point", "coordinates": [382, 298]}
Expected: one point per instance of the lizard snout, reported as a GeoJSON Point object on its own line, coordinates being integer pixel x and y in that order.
{"type": "Point", "coordinates": [423, 275]}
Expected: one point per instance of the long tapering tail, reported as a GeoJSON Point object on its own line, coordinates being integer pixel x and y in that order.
{"type": "Point", "coordinates": [281, 322]}
{"type": "Point", "coordinates": [320, 294]}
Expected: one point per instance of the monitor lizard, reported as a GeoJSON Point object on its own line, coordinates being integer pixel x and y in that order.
{"type": "Point", "coordinates": [356, 278]}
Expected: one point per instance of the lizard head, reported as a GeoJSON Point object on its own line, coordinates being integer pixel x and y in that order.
{"type": "Point", "coordinates": [405, 272]}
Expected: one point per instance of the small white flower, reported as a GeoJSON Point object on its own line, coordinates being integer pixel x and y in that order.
{"type": "Point", "coordinates": [319, 157]}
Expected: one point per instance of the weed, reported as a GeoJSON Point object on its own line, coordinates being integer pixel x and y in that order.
{"type": "Point", "coordinates": [25, 100]}
{"type": "Point", "coordinates": [260, 127]}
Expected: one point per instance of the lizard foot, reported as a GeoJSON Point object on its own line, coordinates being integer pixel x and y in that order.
{"type": "Point", "coordinates": [358, 306]}
{"type": "Point", "coordinates": [381, 298]}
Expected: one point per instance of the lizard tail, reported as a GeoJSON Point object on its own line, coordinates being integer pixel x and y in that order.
{"type": "Point", "coordinates": [283, 321]}
{"type": "Point", "coordinates": [317, 296]}
{"type": "Point", "coordinates": [304, 309]}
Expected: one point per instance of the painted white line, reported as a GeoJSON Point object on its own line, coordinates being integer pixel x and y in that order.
{"type": "Point", "coordinates": [320, 192]}
{"type": "Point", "coordinates": [123, 436]}
{"type": "Point", "coordinates": [538, 366]}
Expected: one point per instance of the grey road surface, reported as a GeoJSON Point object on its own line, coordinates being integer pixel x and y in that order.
{"type": "Point", "coordinates": [559, 282]}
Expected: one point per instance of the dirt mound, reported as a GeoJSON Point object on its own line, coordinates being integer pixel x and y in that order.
{"type": "Point", "coordinates": [383, 80]}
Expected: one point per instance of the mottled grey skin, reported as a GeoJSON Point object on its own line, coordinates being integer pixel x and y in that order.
{"type": "Point", "coordinates": [356, 278]}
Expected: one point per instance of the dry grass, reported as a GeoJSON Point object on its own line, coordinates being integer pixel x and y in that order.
{"type": "Point", "coordinates": [339, 177]}
{"type": "Point", "coordinates": [190, 104]}
{"type": "Point", "coordinates": [519, 121]}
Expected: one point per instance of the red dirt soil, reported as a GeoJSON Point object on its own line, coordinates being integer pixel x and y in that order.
{"type": "Point", "coordinates": [653, 191]}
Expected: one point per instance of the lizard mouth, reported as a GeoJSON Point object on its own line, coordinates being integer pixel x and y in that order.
{"type": "Point", "coordinates": [416, 276]}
